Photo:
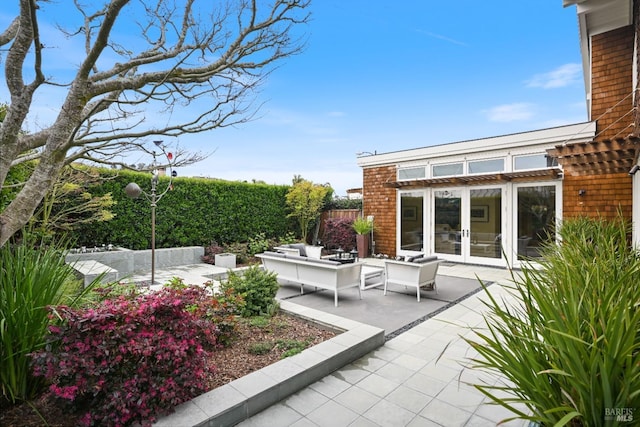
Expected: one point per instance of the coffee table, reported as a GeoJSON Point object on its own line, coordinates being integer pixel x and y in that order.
{"type": "Point", "coordinates": [371, 277]}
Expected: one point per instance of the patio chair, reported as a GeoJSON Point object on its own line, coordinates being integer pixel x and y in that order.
{"type": "Point", "coordinates": [418, 273]}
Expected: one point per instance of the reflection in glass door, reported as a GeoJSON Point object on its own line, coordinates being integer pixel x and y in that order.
{"type": "Point", "coordinates": [485, 223]}
{"type": "Point", "coordinates": [447, 221]}
{"type": "Point", "coordinates": [467, 224]}
{"type": "Point", "coordinates": [412, 221]}
{"type": "Point", "coordinates": [536, 219]}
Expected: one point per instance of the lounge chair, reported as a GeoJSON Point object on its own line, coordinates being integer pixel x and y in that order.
{"type": "Point", "coordinates": [418, 272]}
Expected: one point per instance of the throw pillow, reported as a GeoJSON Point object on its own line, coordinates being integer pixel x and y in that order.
{"type": "Point", "coordinates": [300, 247]}
{"type": "Point", "coordinates": [426, 259]}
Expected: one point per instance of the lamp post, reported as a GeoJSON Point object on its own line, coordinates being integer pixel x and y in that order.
{"type": "Point", "coordinates": [134, 191]}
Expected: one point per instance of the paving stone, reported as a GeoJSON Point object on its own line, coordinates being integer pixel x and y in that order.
{"type": "Point", "coordinates": [445, 414]}
{"type": "Point", "coordinates": [306, 400]}
{"type": "Point", "coordinates": [332, 414]}
{"type": "Point", "coordinates": [409, 399]}
{"type": "Point", "coordinates": [351, 374]}
{"type": "Point", "coordinates": [357, 399]}
{"type": "Point", "coordinates": [389, 414]}
{"type": "Point", "coordinates": [395, 372]}
{"type": "Point", "coordinates": [330, 386]}
{"type": "Point", "coordinates": [276, 415]}
{"type": "Point", "coordinates": [378, 385]}
{"type": "Point", "coordinates": [425, 384]}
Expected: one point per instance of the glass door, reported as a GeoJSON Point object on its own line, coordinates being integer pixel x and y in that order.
{"type": "Point", "coordinates": [485, 225]}
{"type": "Point", "coordinates": [447, 223]}
{"type": "Point", "coordinates": [468, 224]}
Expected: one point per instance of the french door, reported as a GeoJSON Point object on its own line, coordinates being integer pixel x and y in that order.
{"type": "Point", "coordinates": [468, 223]}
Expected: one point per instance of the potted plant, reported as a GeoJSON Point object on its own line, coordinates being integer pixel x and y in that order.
{"type": "Point", "coordinates": [363, 227]}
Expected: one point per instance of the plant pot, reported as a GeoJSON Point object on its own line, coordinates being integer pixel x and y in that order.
{"type": "Point", "coordinates": [362, 242]}
{"type": "Point", "coordinates": [225, 260]}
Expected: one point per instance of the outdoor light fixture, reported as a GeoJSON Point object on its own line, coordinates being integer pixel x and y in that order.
{"type": "Point", "coordinates": [582, 192]}
{"type": "Point", "coordinates": [134, 191]}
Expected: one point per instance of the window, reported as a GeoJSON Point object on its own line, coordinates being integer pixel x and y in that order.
{"type": "Point", "coordinates": [536, 219]}
{"type": "Point", "coordinates": [411, 173]}
{"type": "Point", "coordinates": [486, 166]}
{"type": "Point", "coordinates": [411, 221]}
{"type": "Point", "coordinates": [447, 170]}
{"type": "Point", "coordinates": [534, 161]}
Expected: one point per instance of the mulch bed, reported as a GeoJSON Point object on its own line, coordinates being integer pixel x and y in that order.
{"type": "Point", "coordinates": [278, 335]}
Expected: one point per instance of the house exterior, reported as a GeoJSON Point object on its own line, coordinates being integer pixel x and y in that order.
{"type": "Point", "coordinates": [495, 201]}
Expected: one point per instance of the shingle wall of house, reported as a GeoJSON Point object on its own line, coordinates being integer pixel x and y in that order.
{"type": "Point", "coordinates": [380, 202]}
{"type": "Point", "coordinates": [604, 195]}
{"type": "Point", "coordinates": [612, 82]}
{"type": "Point", "coordinates": [611, 86]}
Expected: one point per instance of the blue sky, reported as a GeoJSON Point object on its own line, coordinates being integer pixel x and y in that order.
{"type": "Point", "coordinates": [379, 76]}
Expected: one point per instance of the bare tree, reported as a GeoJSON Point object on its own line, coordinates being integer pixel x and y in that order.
{"type": "Point", "coordinates": [190, 53]}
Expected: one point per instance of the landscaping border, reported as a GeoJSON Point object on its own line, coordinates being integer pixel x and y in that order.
{"type": "Point", "coordinates": [240, 399]}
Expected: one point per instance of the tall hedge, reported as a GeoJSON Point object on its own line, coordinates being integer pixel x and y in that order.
{"type": "Point", "coordinates": [196, 212]}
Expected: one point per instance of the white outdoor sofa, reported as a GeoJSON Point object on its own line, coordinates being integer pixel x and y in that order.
{"type": "Point", "coordinates": [300, 249]}
{"type": "Point", "coordinates": [321, 273]}
{"type": "Point", "coordinates": [417, 273]}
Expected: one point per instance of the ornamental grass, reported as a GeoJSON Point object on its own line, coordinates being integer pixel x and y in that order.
{"type": "Point", "coordinates": [567, 349]}
{"type": "Point", "coordinates": [31, 280]}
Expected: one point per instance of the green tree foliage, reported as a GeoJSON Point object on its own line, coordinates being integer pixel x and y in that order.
{"type": "Point", "coordinates": [196, 212]}
{"type": "Point", "coordinates": [305, 201]}
{"type": "Point", "coordinates": [70, 203]}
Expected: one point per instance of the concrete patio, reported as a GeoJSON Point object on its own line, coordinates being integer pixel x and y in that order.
{"type": "Point", "coordinates": [418, 377]}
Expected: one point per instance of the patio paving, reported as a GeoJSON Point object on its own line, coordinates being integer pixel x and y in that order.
{"type": "Point", "coordinates": [395, 312]}
{"type": "Point", "coordinates": [419, 377]}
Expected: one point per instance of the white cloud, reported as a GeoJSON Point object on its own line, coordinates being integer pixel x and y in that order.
{"type": "Point", "coordinates": [562, 76]}
{"type": "Point", "coordinates": [510, 112]}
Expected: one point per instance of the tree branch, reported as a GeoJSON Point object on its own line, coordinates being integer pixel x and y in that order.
{"type": "Point", "coordinates": [128, 85]}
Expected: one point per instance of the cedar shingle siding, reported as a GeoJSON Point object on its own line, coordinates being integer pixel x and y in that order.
{"type": "Point", "coordinates": [611, 85]}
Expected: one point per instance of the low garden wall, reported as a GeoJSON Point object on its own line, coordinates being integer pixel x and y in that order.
{"type": "Point", "coordinates": [127, 262]}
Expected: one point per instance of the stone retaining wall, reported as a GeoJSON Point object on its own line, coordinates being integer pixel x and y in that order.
{"type": "Point", "coordinates": [127, 262]}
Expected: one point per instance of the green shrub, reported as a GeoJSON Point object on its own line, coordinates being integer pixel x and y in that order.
{"type": "Point", "coordinates": [339, 203]}
{"type": "Point", "coordinates": [259, 321]}
{"type": "Point", "coordinates": [292, 347]}
{"type": "Point", "coordinates": [259, 243]}
{"type": "Point", "coordinates": [289, 237]}
{"type": "Point", "coordinates": [30, 281]}
{"type": "Point", "coordinates": [240, 250]}
{"type": "Point", "coordinates": [197, 211]}
{"type": "Point", "coordinates": [569, 346]}
{"type": "Point", "coordinates": [102, 292]}
{"type": "Point", "coordinates": [257, 287]}
{"type": "Point", "coordinates": [261, 348]}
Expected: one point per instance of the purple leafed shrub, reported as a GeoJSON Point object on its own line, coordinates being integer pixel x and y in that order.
{"type": "Point", "coordinates": [128, 360]}
{"type": "Point", "coordinates": [338, 233]}
{"type": "Point", "coordinates": [211, 251]}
